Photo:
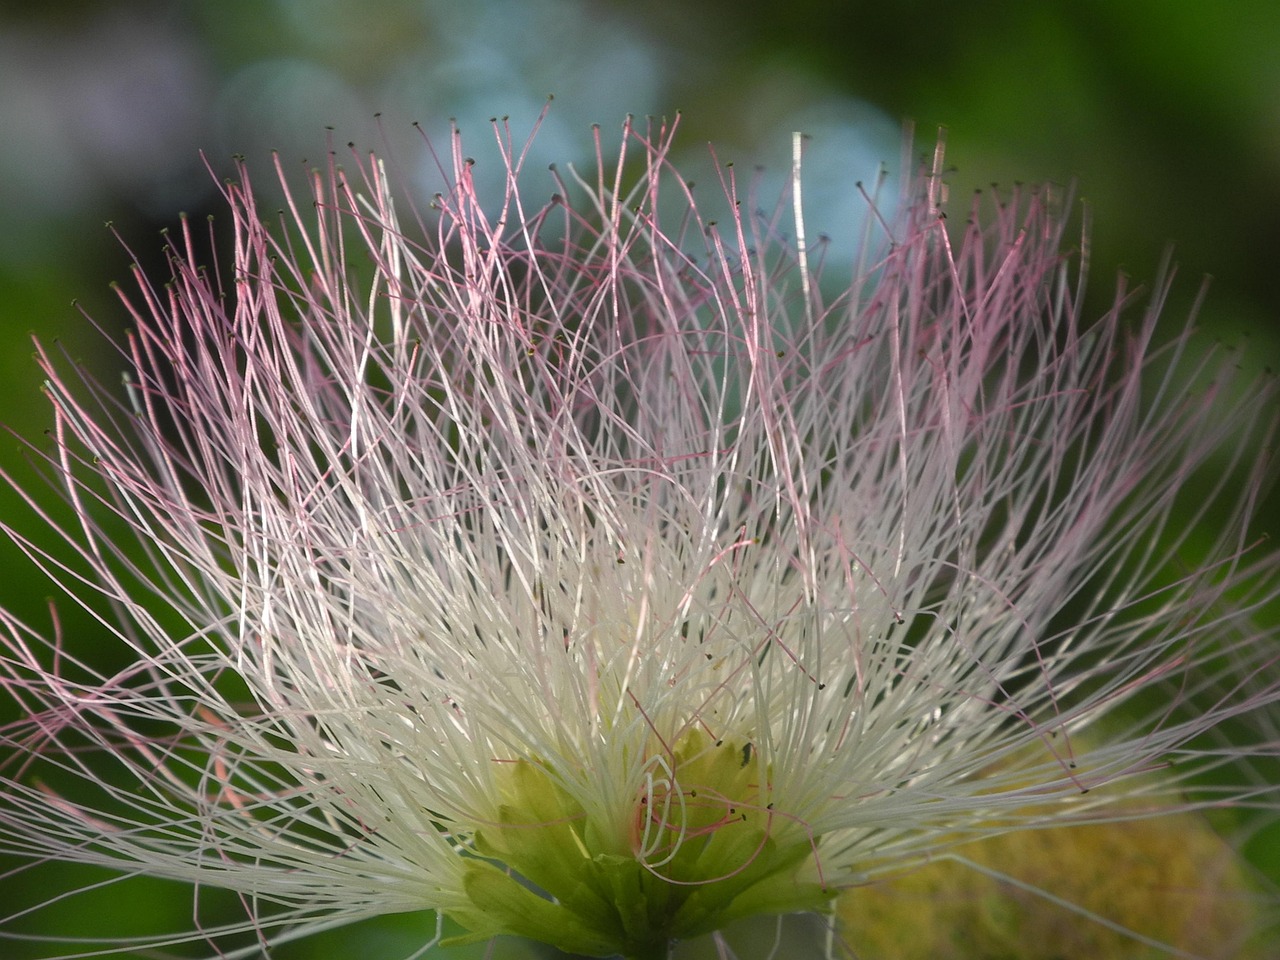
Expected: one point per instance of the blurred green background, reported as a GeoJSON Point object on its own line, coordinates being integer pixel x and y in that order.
{"type": "Point", "coordinates": [1166, 113]}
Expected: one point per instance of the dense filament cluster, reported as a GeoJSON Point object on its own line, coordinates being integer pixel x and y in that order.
{"type": "Point", "coordinates": [577, 568]}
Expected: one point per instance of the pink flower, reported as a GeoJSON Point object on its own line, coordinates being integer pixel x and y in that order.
{"type": "Point", "coordinates": [603, 579]}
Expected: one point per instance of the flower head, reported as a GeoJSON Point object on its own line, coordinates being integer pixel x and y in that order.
{"type": "Point", "coordinates": [593, 574]}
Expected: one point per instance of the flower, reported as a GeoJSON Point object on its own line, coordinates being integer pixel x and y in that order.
{"type": "Point", "coordinates": [534, 567]}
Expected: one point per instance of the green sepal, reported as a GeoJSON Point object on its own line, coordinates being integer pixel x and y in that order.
{"type": "Point", "coordinates": [766, 885]}
{"type": "Point", "coordinates": [502, 905]}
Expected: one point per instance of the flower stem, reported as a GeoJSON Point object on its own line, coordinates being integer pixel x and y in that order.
{"type": "Point", "coordinates": [658, 952]}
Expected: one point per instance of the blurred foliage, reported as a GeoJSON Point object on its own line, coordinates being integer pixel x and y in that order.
{"type": "Point", "coordinates": [1165, 113]}
{"type": "Point", "coordinates": [1170, 879]}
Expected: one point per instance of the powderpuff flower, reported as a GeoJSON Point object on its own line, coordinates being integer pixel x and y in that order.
{"type": "Point", "coordinates": [580, 569]}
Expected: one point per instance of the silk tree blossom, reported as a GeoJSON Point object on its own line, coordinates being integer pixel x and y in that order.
{"type": "Point", "coordinates": [582, 570]}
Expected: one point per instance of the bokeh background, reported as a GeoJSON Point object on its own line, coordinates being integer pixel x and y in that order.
{"type": "Point", "coordinates": [1164, 113]}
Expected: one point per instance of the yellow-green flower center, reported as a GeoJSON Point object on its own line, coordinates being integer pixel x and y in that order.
{"type": "Point", "coordinates": [703, 848]}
